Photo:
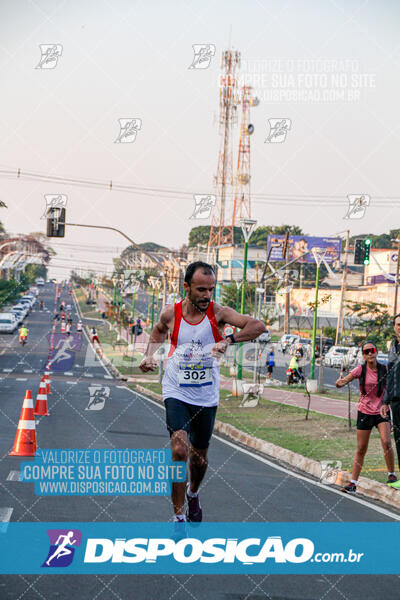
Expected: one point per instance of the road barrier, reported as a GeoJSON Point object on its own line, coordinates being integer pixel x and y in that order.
{"type": "Point", "coordinates": [41, 400]}
{"type": "Point", "coordinates": [25, 443]}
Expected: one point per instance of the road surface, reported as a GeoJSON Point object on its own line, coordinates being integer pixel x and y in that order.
{"type": "Point", "coordinates": [239, 486]}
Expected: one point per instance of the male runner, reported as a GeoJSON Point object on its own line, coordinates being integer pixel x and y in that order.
{"type": "Point", "coordinates": [191, 379]}
{"type": "Point", "coordinates": [392, 392]}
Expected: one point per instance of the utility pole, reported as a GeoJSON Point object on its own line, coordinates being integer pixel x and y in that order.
{"type": "Point", "coordinates": [285, 254]}
{"type": "Point", "coordinates": [396, 284]}
{"type": "Point", "coordinates": [340, 319]}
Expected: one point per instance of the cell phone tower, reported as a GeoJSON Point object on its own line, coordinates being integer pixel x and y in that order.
{"type": "Point", "coordinates": [242, 203]}
{"type": "Point", "coordinates": [221, 231]}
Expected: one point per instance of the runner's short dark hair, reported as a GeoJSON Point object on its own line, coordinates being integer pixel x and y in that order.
{"type": "Point", "coordinates": [395, 317]}
{"type": "Point", "coordinates": [192, 268]}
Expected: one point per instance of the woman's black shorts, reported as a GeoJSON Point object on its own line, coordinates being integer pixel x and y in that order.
{"type": "Point", "coordinates": [367, 422]}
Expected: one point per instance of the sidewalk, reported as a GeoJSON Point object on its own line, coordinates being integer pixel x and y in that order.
{"type": "Point", "coordinates": [325, 405]}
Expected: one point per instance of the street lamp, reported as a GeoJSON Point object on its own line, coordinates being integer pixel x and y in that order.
{"type": "Point", "coordinates": [153, 282]}
{"type": "Point", "coordinates": [135, 287]}
{"type": "Point", "coordinates": [318, 255]}
{"type": "Point", "coordinates": [248, 226]}
{"type": "Point", "coordinates": [396, 284]}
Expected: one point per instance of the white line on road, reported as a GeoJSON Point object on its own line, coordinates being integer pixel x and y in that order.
{"type": "Point", "coordinates": [5, 514]}
{"type": "Point", "coordinates": [344, 497]}
{"type": "Point", "coordinates": [71, 382]}
{"type": "Point", "coordinates": [107, 377]}
{"type": "Point", "coordinates": [14, 476]}
{"type": "Point", "coordinates": [28, 370]}
{"type": "Point", "coordinates": [69, 373]}
{"type": "Point", "coordinates": [21, 379]}
{"type": "Point", "coordinates": [88, 375]}
{"type": "Point", "coordinates": [7, 370]}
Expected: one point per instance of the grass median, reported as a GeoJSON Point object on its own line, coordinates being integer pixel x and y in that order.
{"type": "Point", "coordinates": [321, 437]}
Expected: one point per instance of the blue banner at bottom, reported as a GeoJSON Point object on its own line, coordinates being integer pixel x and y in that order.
{"type": "Point", "coordinates": [212, 548]}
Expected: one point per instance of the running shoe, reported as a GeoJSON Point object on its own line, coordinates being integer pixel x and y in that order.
{"type": "Point", "coordinates": [194, 514]}
{"type": "Point", "coordinates": [391, 479]}
{"type": "Point", "coordinates": [395, 485]}
{"type": "Point", "coordinates": [349, 489]}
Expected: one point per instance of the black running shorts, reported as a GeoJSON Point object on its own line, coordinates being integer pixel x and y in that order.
{"type": "Point", "coordinates": [367, 422]}
{"type": "Point", "coordinates": [197, 421]}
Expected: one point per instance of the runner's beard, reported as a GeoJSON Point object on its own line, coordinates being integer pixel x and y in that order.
{"type": "Point", "coordinates": [202, 310]}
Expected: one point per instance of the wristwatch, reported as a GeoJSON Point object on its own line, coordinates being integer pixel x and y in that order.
{"type": "Point", "coordinates": [231, 337]}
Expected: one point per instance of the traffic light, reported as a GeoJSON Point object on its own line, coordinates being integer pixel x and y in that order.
{"type": "Point", "coordinates": [55, 222]}
{"type": "Point", "coordinates": [367, 248]}
{"type": "Point", "coordinates": [362, 251]}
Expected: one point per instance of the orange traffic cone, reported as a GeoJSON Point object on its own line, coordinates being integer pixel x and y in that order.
{"type": "Point", "coordinates": [41, 400]}
{"type": "Point", "coordinates": [25, 439]}
{"type": "Point", "coordinates": [47, 380]}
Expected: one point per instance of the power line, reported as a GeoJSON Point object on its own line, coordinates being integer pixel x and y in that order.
{"type": "Point", "coordinates": [334, 200]}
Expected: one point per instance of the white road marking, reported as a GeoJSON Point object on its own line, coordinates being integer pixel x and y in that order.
{"type": "Point", "coordinates": [72, 382]}
{"type": "Point", "coordinates": [28, 370]}
{"type": "Point", "coordinates": [68, 373]}
{"type": "Point", "coordinates": [5, 514]}
{"type": "Point", "coordinates": [88, 375]}
{"type": "Point", "coordinates": [7, 370]}
{"type": "Point", "coordinates": [107, 377]}
{"type": "Point", "coordinates": [14, 476]}
{"type": "Point", "coordinates": [21, 379]}
{"type": "Point", "coordinates": [327, 488]}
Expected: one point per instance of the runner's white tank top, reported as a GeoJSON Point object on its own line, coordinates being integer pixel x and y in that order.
{"type": "Point", "coordinates": [192, 373]}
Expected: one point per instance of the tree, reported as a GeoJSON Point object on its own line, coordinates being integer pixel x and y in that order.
{"type": "Point", "coordinates": [229, 296]}
{"type": "Point", "coordinates": [200, 235]}
{"type": "Point", "coordinates": [376, 321]}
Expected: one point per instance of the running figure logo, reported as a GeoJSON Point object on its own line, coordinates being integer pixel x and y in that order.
{"type": "Point", "coordinates": [278, 129]}
{"type": "Point", "coordinates": [203, 205]}
{"type": "Point", "coordinates": [98, 394]}
{"type": "Point", "coordinates": [50, 53]}
{"type": "Point", "coordinates": [329, 471]}
{"type": "Point", "coordinates": [203, 54]}
{"type": "Point", "coordinates": [128, 130]}
{"type": "Point", "coordinates": [62, 547]}
{"type": "Point", "coordinates": [54, 201]}
{"type": "Point", "coordinates": [357, 206]}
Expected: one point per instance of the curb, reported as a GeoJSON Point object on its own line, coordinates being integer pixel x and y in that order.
{"type": "Point", "coordinates": [367, 487]}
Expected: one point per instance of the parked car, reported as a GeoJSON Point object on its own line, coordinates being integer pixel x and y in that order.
{"type": "Point", "coordinates": [8, 322]}
{"type": "Point", "coordinates": [19, 314]}
{"type": "Point", "coordinates": [264, 338]}
{"type": "Point", "coordinates": [31, 298]}
{"type": "Point", "coordinates": [335, 355]}
{"type": "Point", "coordinates": [286, 341]}
{"type": "Point", "coordinates": [25, 302]}
{"type": "Point", "coordinates": [382, 358]}
{"type": "Point", "coordinates": [327, 344]}
{"type": "Point", "coordinates": [39, 281]}
{"type": "Point", "coordinates": [23, 308]}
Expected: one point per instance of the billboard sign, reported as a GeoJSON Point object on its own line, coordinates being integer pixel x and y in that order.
{"type": "Point", "coordinates": [298, 244]}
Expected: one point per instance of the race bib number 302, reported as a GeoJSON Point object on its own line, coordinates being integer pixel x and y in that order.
{"type": "Point", "coordinates": [194, 374]}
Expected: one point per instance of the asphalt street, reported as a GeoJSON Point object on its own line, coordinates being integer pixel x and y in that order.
{"type": "Point", "coordinates": [239, 486]}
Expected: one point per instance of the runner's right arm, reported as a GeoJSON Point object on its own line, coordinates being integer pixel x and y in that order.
{"type": "Point", "coordinates": [157, 338]}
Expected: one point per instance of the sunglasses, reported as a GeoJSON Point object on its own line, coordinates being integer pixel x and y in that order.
{"type": "Point", "coordinates": [369, 351]}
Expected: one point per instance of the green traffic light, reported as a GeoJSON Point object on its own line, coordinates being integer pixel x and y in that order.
{"type": "Point", "coordinates": [366, 261]}
{"type": "Point", "coordinates": [367, 242]}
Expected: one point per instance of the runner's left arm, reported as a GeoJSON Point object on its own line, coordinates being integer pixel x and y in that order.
{"type": "Point", "coordinates": [250, 328]}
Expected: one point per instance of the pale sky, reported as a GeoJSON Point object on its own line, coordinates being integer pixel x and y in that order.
{"type": "Point", "coordinates": [128, 59]}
